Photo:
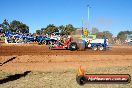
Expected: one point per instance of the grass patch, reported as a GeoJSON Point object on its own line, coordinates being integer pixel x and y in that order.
{"type": "Point", "coordinates": [64, 79]}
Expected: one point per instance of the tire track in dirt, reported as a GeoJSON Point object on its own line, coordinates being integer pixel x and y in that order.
{"type": "Point", "coordinates": [43, 50]}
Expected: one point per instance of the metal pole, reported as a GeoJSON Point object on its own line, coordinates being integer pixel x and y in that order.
{"type": "Point", "coordinates": [82, 26]}
{"type": "Point", "coordinates": [88, 12]}
{"type": "Point", "coordinates": [88, 8]}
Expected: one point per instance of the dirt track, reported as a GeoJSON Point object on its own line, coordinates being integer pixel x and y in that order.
{"type": "Point", "coordinates": [40, 58]}
{"type": "Point", "coordinates": [63, 62]}
{"type": "Point", "coordinates": [48, 67]}
{"type": "Point", "coordinates": [43, 50]}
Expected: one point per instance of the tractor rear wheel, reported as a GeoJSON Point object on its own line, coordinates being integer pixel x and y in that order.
{"type": "Point", "coordinates": [73, 46]}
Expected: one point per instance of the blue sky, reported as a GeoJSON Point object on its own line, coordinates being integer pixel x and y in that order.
{"type": "Point", "coordinates": [112, 15]}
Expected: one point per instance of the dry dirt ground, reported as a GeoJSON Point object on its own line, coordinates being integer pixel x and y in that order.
{"type": "Point", "coordinates": [38, 67]}
{"type": "Point", "coordinates": [34, 49]}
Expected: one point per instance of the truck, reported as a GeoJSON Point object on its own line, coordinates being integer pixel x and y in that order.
{"type": "Point", "coordinates": [85, 41]}
{"type": "Point", "coordinates": [129, 39]}
{"type": "Point", "coordinates": [11, 38]}
{"type": "Point", "coordinates": [43, 40]}
{"type": "Point", "coordinates": [96, 44]}
{"type": "Point", "coordinates": [70, 44]}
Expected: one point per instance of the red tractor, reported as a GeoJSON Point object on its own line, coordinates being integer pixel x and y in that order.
{"type": "Point", "coordinates": [65, 44]}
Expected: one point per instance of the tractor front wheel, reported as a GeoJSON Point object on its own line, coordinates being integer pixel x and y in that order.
{"type": "Point", "coordinates": [100, 48]}
{"type": "Point", "coordinates": [95, 48]}
{"type": "Point", "coordinates": [39, 43]}
{"type": "Point", "coordinates": [44, 42]}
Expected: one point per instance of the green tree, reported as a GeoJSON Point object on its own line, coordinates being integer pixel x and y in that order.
{"type": "Point", "coordinates": [1, 28]}
{"type": "Point", "coordinates": [67, 29]}
{"type": "Point", "coordinates": [38, 32]}
{"type": "Point", "coordinates": [62, 28]}
{"type": "Point", "coordinates": [50, 29]}
{"type": "Point", "coordinates": [100, 35]}
{"type": "Point", "coordinates": [17, 26]}
{"type": "Point", "coordinates": [14, 26]}
{"type": "Point", "coordinates": [122, 35]}
{"type": "Point", "coordinates": [24, 28]}
{"type": "Point", "coordinates": [5, 26]}
{"type": "Point", "coordinates": [95, 30]}
{"type": "Point", "coordinates": [107, 34]}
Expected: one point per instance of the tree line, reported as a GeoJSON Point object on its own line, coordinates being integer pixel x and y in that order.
{"type": "Point", "coordinates": [122, 35]}
{"type": "Point", "coordinates": [19, 27]}
{"type": "Point", "coordinates": [101, 34]}
{"type": "Point", "coordinates": [13, 26]}
{"type": "Point", "coordinates": [63, 29]}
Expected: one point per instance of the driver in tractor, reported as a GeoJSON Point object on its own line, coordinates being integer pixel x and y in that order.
{"type": "Point", "coordinates": [60, 41]}
{"type": "Point", "coordinates": [63, 41]}
{"type": "Point", "coordinates": [67, 41]}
